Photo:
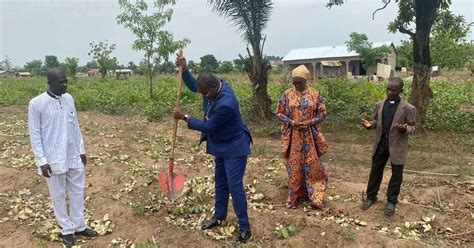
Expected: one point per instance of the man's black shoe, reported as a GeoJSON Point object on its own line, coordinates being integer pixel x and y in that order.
{"type": "Point", "coordinates": [368, 202]}
{"type": "Point", "coordinates": [213, 222]}
{"type": "Point", "coordinates": [88, 232]}
{"type": "Point", "coordinates": [243, 236]}
{"type": "Point", "coordinates": [67, 239]}
{"type": "Point", "coordinates": [390, 208]}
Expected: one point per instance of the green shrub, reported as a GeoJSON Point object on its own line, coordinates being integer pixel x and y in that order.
{"type": "Point", "coordinates": [347, 102]}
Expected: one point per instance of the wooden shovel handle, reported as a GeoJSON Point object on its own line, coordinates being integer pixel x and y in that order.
{"type": "Point", "coordinates": [175, 124]}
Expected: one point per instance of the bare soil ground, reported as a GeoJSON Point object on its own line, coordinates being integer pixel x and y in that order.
{"type": "Point", "coordinates": [124, 202]}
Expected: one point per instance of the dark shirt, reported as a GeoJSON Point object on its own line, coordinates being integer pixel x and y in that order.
{"type": "Point", "coordinates": [388, 112]}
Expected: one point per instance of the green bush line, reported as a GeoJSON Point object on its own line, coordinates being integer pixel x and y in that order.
{"type": "Point", "coordinates": [347, 102]}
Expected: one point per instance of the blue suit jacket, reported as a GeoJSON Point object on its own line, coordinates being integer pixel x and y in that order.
{"type": "Point", "coordinates": [224, 130]}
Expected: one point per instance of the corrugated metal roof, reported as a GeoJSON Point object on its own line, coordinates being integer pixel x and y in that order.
{"type": "Point", "coordinates": [325, 52]}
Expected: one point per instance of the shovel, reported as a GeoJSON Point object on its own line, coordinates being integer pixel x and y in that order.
{"type": "Point", "coordinates": [171, 183]}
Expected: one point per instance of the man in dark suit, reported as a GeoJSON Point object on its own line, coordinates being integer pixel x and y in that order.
{"type": "Point", "coordinates": [394, 120]}
{"type": "Point", "coordinates": [228, 140]}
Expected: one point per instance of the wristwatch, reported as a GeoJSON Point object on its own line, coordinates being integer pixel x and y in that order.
{"type": "Point", "coordinates": [186, 116]}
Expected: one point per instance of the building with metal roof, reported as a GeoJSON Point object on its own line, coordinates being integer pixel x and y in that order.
{"type": "Point", "coordinates": [336, 60]}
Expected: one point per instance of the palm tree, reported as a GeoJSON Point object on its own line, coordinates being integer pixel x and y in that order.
{"type": "Point", "coordinates": [251, 17]}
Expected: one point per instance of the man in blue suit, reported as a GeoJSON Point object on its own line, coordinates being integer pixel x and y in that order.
{"type": "Point", "coordinates": [228, 140]}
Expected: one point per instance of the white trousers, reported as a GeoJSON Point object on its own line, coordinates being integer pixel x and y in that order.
{"type": "Point", "coordinates": [72, 183]}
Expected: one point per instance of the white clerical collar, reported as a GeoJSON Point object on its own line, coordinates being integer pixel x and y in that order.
{"type": "Point", "coordinates": [51, 94]}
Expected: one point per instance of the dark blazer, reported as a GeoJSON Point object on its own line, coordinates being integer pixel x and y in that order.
{"type": "Point", "coordinates": [397, 142]}
{"type": "Point", "coordinates": [224, 130]}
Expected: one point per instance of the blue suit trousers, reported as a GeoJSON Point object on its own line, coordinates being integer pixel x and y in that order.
{"type": "Point", "coordinates": [229, 175]}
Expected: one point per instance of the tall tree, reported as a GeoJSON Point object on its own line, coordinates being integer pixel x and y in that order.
{"type": "Point", "coordinates": [70, 65]}
{"type": "Point", "coordinates": [35, 67]}
{"type": "Point", "coordinates": [132, 66]}
{"type": "Point", "coordinates": [422, 13]}
{"type": "Point", "coordinates": [167, 67]}
{"type": "Point", "coordinates": [101, 53]}
{"type": "Point", "coordinates": [405, 54]}
{"type": "Point", "coordinates": [192, 66]}
{"type": "Point", "coordinates": [157, 43]}
{"type": "Point", "coordinates": [225, 67]}
{"type": "Point", "coordinates": [92, 64]}
{"type": "Point", "coordinates": [209, 63]}
{"type": "Point", "coordinates": [449, 40]}
{"type": "Point", "coordinates": [50, 61]}
{"type": "Point", "coordinates": [250, 18]}
{"type": "Point", "coordinates": [6, 64]}
{"type": "Point", "coordinates": [359, 43]}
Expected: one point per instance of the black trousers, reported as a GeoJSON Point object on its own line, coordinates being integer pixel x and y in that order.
{"type": "Point", "coordinates": [376, 173]}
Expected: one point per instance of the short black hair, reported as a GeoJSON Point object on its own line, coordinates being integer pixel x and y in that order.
{"type": "Point", "coordinates": [397, 80]}
{"type": "Point", "coordinates": [55, 75]}
{"type": "Point", "coordinates": [207, 79]}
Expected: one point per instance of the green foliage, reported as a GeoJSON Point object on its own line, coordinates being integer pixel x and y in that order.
{"type": "Point", "coordinates": [157, 43]}
{"type": "Point", "coordinates": [193, 67]}
{"type": "Point", "coordinates": [50, 61]}
{"type": "Point", "coordinates": [132, 66]}
{"type": "Point", "coordinates": [360, 43]}
{"type": "Point", "coordinates": [346, 102]}
{"type": "Point", "coordinates": [209, 63]}
{"type": "Point", "coordinates": [102, 52]}
{"type": "Point", "coordinates": [405, 54]}
{"type": "Point", "coordinates": [35, 67]}
{"type": "Point", "coordinates": [407, 13]}
{"type": "Point", "coordinates": [225, 67]}
{"type": "Point", "coordinates": [92, 64]}
{"type": "Point", "coordinates": [448, 42]}
{"type": "Point", "coordinates": [251, 18]}
{"type": "Point", "coordinates": [239, 65]}
{"type": "Point", "coordinates": [445, 110]}
{"type": "Point", "coordinates": [284, 232]}
{"type": "Point", "coordinates": [70, 65]}
{"type": "Point", "coordinates": [6, 64]}
{"type": "Point", "coordinates": [138, 209]}
{"type": "Point", "coordinates": [349, 234]}
{"type": "Point", "coordinates": [167, 67]}
{"type": "Point", "coordinates": [144, 245]}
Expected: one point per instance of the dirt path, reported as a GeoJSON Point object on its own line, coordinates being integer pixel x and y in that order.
{"type": "Point", "coordinates": [123, 199]}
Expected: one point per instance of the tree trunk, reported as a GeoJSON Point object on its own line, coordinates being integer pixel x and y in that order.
{"type": "Point", "coordinates": [258, 71]}
{"type": "Point", "coordinates": [150, 84]}
{"type": "Point", "coordinates": [150, 81]}
{"type": "Point", "coordinates": [421, 92]}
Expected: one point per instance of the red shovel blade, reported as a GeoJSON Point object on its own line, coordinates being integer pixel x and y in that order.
{"type": "Point", "coordinates": [171, 184]}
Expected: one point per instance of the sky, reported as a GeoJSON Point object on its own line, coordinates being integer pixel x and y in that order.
{"type": "Point", "coordinates": [31, 29]}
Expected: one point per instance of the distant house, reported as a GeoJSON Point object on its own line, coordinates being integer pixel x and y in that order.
{"type": "Point", "coordinates": [92, 72]}
{"type": "Point", "coordinates": [276, 63]}
{"type": "Point", "coordinates": [23, 74]}
{"type": "Point", "coordinates": [336, 61]}
{"type": "Point", "coordinates": [123, 72]}
{"type": "Point", "coordinates": [7, 74]}
{"type": "Point", "coordinates": [81, 75]}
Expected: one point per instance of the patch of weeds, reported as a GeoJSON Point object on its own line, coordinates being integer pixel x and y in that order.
{"type": "Point", "coordinates": [349, 234]}
{"type": "Point", "coordinates": [145, 245]}
{"type": "Point", "coordinates": [138, 209]}
{"type": "Point", "coordinates": [42, 244]}
{"type": "Point", "coordinates": [284, 232]}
